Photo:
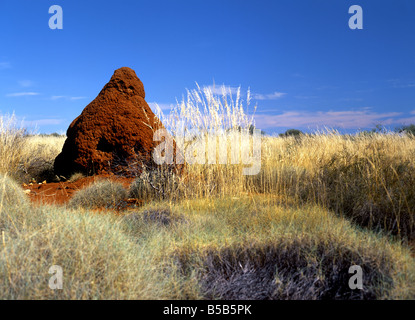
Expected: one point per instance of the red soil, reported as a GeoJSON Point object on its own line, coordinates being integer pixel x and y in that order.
{"type": "Point", "coordinates": [61, 192]}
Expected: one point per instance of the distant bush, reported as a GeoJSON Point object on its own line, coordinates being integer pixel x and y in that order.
{"type": "Point", "coordinates": [39, 169]}
{"type": "Point", "coordinates": [162, 216]}
{"type": "Point", "coordinates": [101, 194]}
{"type": "Point", "coordinates": [292, 133]}
{"type": "Point", "coordinates": [409, 129]}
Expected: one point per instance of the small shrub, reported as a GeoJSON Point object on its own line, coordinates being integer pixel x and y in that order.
{"type": "Point", "coordinates": [292, 133]}
{"type": "Point", "coordinates": [101, 194]}
{"type": "Point", "coordinates": [156, 185]}
{"type": "Point", "coordinates": [39, 169]}
{"type": "Point", "coordinates": [160, 216]}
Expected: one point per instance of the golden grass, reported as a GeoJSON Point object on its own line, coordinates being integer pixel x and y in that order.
{"type": "Point", "coordinates": [99, 260]}
{"type": "Point", "coordinates": [365, 177]}
{"type": "Point", "coordinates": [320, 204]}
{"type": "Point", "coordinates": [245, 247]}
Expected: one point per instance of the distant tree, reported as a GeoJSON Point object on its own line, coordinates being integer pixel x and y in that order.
{"type": "Point", "coordinates": [292, 132]}
{"type": "Point", "coordinates": [409, 129]}
{"type": "Point", "coordinates": [379, 128]}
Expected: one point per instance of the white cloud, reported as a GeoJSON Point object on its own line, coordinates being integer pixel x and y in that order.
{"type": "Point", "coordinates": [271, 96]}
{"type": "Point", "coordinates": [225, 89]}
{"type": "Point", "coordinates": [77, 98]}
{"type": "Point", "coordinates": [162, 106]}
{"type": "Point", "coordinates": [22, 94]}
{"type": "Point", "coordinates": [42, 122]}
{"type": "Point", "coordinates": [406, 121]}
{"type": "Point", "coordinates": [56, 97]}
{"type": "Point", "coordinates": [401, 84]}
{"type": "Point", "coordinates": [5, 65]}
{"type": "Point", "coordinates": [221, 89]}
{"type": "Point", "coordinates": [340, 119]}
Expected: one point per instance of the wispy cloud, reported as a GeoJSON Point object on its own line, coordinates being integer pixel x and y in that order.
{"type": "Point", "coordinates": [66, 97]}
{"type": "Point", "coordinates": [221, 89]}
{"type": "Point", "coordinates": [5, 65]}
{"type": "Point", "coordinates": [56, 97]}
{"type": "Point", "coordinates": [42, 122]}
{"type": "Point", "coordinates": [406, 85]}
{"type": "Point", "coordinates": [26, 83]}
{"type": "Point", "coordinates": [340, 119]}
{"type": "Point", "coordinates": [401, 84]}
{"type": "Point", "coordinates": [77, 98]}
{"type": "Point", "coordinates": [226, 89]}
{"type": "Point", "coordinates": [271, 96]}
{"type": "Point", "coordinates": [162, 106]}
{"type": "Point", "coordinates": [351, 99]}
{"type": "Point", "coordinates": [22, 94]}
{"type": "Point", "coordinates": [406, 120]}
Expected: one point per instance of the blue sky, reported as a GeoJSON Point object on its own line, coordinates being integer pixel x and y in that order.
{"type": "Point", "coordinates": [306, 68]}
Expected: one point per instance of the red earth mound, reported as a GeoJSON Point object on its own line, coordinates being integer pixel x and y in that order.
{"type": "Point", "coordinates": [113, 133]}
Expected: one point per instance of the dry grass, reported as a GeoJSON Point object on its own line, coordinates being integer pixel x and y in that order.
{"type": "Point", "coordinates": [320, 204]}
{"type": "Point", "coordinates": [367, 178]}
{"type": "Point", "coordinates": [26, 157]}
{"type": "Point", "coordinates": [11, 145]}
{"type": "Point", "coordinates": [254, 248]}
{"type": "Point", "coordinates": [99, 260]}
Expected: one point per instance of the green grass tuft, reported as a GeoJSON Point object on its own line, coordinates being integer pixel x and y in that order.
{"type": "Point", "coordinates": [101, 194]}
